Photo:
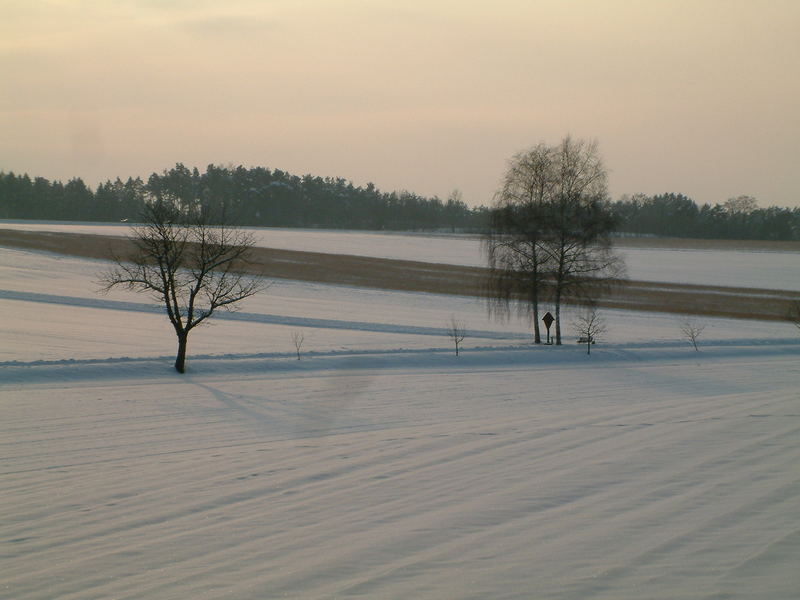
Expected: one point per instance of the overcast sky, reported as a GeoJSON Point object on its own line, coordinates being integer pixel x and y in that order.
{"type": "Point", "coordinates": [699, 97]}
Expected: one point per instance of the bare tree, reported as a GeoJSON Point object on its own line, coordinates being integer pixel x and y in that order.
{"type": "Point", "coordinates": [187, 265]}
{"type": "Point", "coordinates": [297, 340]}
{"type": "Point", "coordinates": [589, 326]}
{"type": "Point", "coordinates": [551, 230]}
{"type": "Point", "coordinates": [691, 330]}
{"type": "Point", "coordinates": [517, 228]}
{"type": "Point", "coordinates": [456, 331]}
{"type": "Point", "coordinates": [740, 205]}
{"type": "Point", "coordinates": [578, 243]}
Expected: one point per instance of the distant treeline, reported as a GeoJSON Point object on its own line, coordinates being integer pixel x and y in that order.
{"type": "Point", "coordinates": [676, 215]}
{"type": "Point", "coordinates": [256, 196]}
{"type": "Point", "coordinates": [262, 197]}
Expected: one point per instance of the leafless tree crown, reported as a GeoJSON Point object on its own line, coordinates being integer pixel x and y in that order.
{"type": "Point", "coordinates": [187, 265]}
{"type": "Point", "coordinates": [457, 331]}
{"type": "Point", "coordinates": [297, 339]}
{"type": "Point", "coordinates": [691, 330]}
{"type": "Point", "coordinates": [589, 326]}
{"type": "Point", "coordinates": [549, 234]}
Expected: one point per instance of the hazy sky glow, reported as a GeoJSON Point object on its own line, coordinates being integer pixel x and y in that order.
{"type": "Point", "coordinates": [698, 97]}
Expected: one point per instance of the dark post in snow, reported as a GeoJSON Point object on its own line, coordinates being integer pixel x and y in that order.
{"type": "Point", "coordinates": [548, 320]}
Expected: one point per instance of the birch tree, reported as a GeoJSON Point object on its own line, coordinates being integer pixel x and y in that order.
{"type": "Point", "coordinates": [551, 231]}
{"type": "Point", "coordinates": [578, 244]}
{"type": "Point", "coordinates": [513, 244]}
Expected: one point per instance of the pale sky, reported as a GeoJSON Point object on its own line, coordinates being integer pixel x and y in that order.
{"type": "Point", "coordinates": [699, 97]}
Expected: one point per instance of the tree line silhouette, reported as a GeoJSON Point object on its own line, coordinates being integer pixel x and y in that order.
{"type": "Point", "coordinates": [675, 215]}
{"type": "Point", "coordinates": [259, 196]}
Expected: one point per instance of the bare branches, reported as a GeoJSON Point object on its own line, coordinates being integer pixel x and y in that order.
{"type": "Point", "coordinates": [517, 229]}
{"type": "Point", "coordinates": [456, 331]}
{"type": "Point", "coordinates": [691, 330]}
{"type": "Point", "coordinates": [550, 231]}
{"type": "Point", "coordinates": [186, 264]}
{"type": "Point", "coordinates": [589, 326]}
{"type": "Point", "coordinates": [297, 340]}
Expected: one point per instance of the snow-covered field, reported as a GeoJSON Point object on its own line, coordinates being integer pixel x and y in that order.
{"type": "Point", "coordinates": [380, 465]}
{"type": "Point", "coordinates": [768, 270]}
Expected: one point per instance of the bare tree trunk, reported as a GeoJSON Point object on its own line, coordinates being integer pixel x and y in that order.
{"type": "Point", "coordinates": [691, 331]}
{"type": "Point", "coordinates": [559, 255]}
{"type": "Point", "coordinates": [180, 360]}
{"type": "Point", "coordinates": [456, 331]}
{"type": "Point", "coordinates": [558, 316]}
{"type": "Point", "coordinates": [588, 326]}
{"type": "Point", "coordinates": [191, 266]}
{"type": "Point", "coordinates": [537, 337]}
{"type": "Point", "coordinates": [551, 224]}
{"type": "Point", "coordinates": [559, 284]}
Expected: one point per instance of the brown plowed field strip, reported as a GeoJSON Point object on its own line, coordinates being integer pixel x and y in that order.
{"type": "Point", "coordinates": [390, 274]}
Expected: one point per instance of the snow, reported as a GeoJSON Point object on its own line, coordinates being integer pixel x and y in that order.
{"type": "Point", "coordinates": [380, 465]}
{"type": "Point", "coordinates": [767, 270]}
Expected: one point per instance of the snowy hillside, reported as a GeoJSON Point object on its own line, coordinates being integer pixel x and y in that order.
{"type": "Point", "coordinates": [380, 465]}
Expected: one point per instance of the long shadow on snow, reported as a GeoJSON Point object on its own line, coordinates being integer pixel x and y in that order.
{"type": "Point", "coordinates": [258, 317]}
{"type": "Point", "coordinates": [147, 369]}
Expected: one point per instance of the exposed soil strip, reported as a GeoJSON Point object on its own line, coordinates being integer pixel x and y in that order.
{"type": "Point", "coordinates": [645, 242]}
{"type": "Point", "coordinates": [414, 276]}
